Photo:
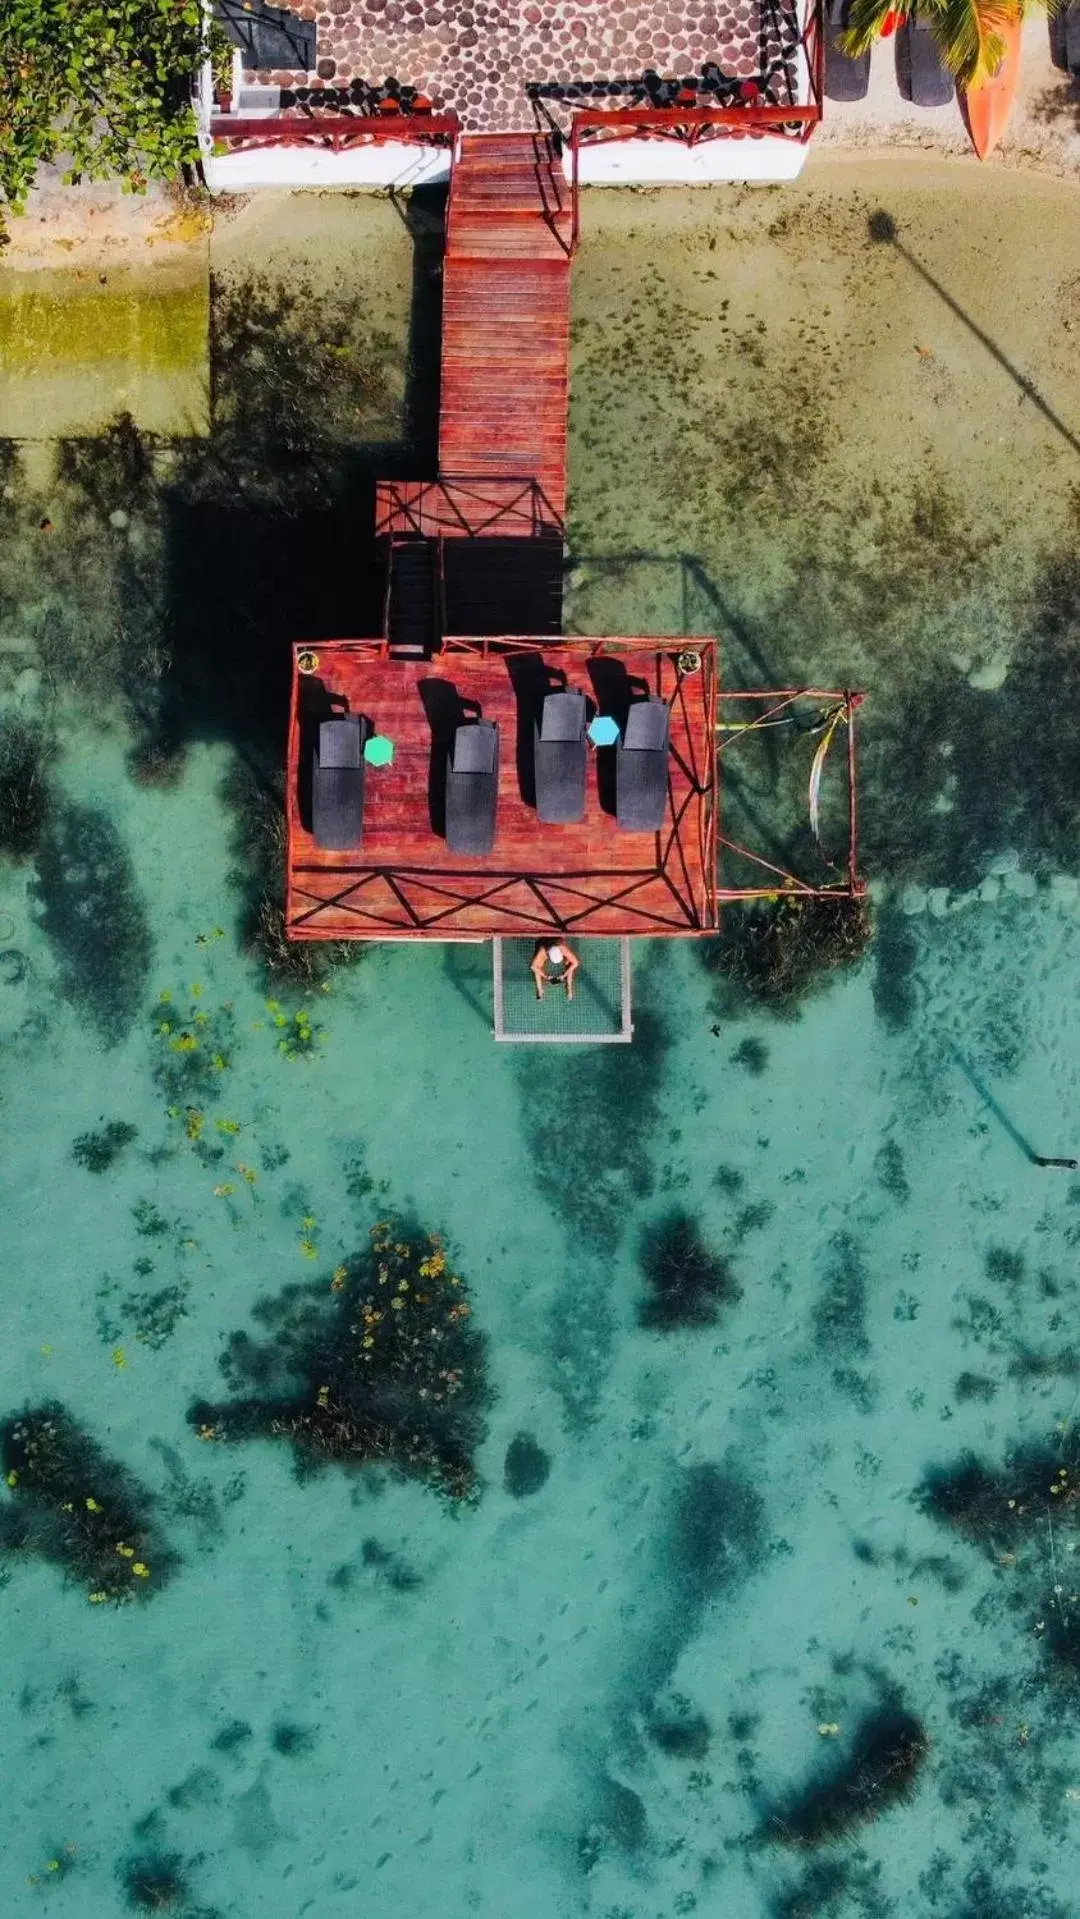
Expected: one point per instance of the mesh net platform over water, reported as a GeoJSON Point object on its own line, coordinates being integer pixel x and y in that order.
{"type": "Point", "coordinates": [600, 1010]}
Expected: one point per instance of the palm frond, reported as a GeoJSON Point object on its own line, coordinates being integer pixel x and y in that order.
{"type": "Point", "coordinates": [865, 21]}
{"type": "Point", "coordinates": [968, 33]}
{"type": "Point", "coordinates": [969, 36]}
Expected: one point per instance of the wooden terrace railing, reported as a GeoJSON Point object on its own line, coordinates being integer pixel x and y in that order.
{"type": "Point", "coordinates": [464, 508]}
{"type": "Point", "coordinates": [690, 123]}
{"type": "Point", "coordinates": [336, 132]}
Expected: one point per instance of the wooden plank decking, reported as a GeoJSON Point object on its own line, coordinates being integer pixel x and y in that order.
{"type": "Point", "coordinates": [506, 317]}
{"type": "Point", "coordinates": [403, 882]}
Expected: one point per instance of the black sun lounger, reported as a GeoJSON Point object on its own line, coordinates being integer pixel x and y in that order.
{"type": "Point", "coordinates": [337, 785]}
{"type": "Point", "coordinates": [921, 77]}
{"type": "Point", "coordinates": [641, 762]}
{"type": "Point", "coordinates": [559, 760]}
{"type": "Point", "coordinates": [847, 77]}
{"type": "Point", "coordinates": [472, 785]}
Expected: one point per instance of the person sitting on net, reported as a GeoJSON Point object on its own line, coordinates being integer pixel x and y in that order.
{"type": "Point", "coordinates": [554, 964]}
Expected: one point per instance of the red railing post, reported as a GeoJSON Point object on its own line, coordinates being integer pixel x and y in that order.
{"type": "Point", "coordinates": [812, 41]}
{"type": "Point", "coordinates": [575, 217]}
{"type": "Point", "coordinates": [853, 701]}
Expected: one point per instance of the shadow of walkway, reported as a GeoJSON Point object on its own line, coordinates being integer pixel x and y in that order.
{"type": "Point", "coordinates": [270, 525]}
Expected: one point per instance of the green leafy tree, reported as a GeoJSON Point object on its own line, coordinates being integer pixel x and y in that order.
{"type": "Point", "coordinates": [103, 84]}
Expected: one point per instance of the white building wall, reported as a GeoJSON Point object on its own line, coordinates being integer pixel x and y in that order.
{"type": "Point", "coordinates": [624, 163]}
{"type": "Point", "coordinates": [392, 163]}
{"type": "Point", "coordinates": [610, 163]}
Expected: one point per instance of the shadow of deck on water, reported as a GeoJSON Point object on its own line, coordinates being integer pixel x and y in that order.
{"type": "Point", "coordinates": [271, 531]}
{"type": "Point", "coordinates": [267, 525]}
{"type": "Point", "coordinates": [185, 569]}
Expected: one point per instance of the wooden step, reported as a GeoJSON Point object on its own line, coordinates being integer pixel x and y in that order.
{"type": "Point", "coordinates": [493, 197]}
{"type": "Point", "coordinates": [484, 237]}
{"type": "Point", "coordinates": [477, 147]}
{"type": "Point", "coordinates": [412, 601]}
{"type": "Point", "coordinates": [515, 308]}
{"type": "Point", "coordinates": [511, 290]}
{"type": "Point", "coordinates": [511, 187]}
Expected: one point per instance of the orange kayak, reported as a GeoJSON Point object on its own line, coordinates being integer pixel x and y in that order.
{"type": "Point", "coordinates": [987, 106]}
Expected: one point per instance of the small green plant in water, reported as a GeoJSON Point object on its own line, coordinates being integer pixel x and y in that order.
{"type": "Point", "coordinates": [149, 1222]}
{"type": "Point", "coordinates": [383, 1365]}
{"type": "Point", "coordinates": [152, 1316]}
{"type": "Point", "coordinates": [24, 802]}
{"type": "Point", "coordinates": [97, 1151]}
{"type": "Point", "coordinates": [297, 1035]}
{"type": "Point", "coordinates": [689, 1284]}
{"type": "Point", "coordinates": [192, 1049]}
{"type": "Point", "coordinates": [154, 1882]}
{"type": "Point", "coordinates": [882, 1770]}
{"type": "Point", "coordinates": [59, 1864]}
{"type": "Point", "coordinates": [752, 1055]}
{"type": "Point", "coordinates": [76, 1507]}
{"type": "Point", "coordinates": [156, 1315]}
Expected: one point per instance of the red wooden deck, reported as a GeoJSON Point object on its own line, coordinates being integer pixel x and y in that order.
{"type": "Point", "coordinates": [404, 883]}
{"type": "Point", "coordinates": [506, 316]}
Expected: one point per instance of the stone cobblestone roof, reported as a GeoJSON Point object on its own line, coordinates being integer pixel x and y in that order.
{"type": "Point", "coordinates": [491, 60]}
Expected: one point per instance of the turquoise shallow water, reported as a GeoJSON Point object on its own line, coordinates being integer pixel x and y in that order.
{"type": "Point", "coordinates": [615, 1693]}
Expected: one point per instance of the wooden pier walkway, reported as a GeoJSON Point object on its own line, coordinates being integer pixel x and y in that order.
{"type": "Point", "coordinates": [506, 317]}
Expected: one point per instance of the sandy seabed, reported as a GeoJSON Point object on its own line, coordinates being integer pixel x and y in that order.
{"type": "Point", "coordinates": [620, 1686]}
